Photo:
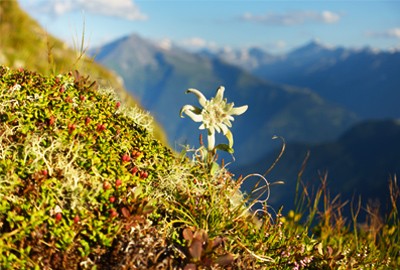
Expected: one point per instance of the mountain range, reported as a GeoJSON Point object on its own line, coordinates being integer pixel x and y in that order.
{"type": "Point", "coordinates": [364, 81]}
{"type": "Point", "coordinates": [158, 77]}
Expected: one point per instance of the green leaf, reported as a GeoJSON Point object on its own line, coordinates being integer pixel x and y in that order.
{"type": "Point", "coordinates": [225, 147]}
{"type": "Point", "coordinates": [214, 168]}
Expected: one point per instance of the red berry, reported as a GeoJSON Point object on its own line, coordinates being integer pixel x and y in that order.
{"type": "Point", "coordinates": [101, 127]}
{"type": "Point", "coordinates": [76, 219]}
{"type": "Point", "coordinates": [144, 174]}
{"type": "Point", "coordinates": [58, 216]}
{"type": "Point", "coordinates": [118, 182]}
{"type": "Point", "coordinates": [113, 213]}
{"type": "Point", "coordinates": [126, 158]}
{"type": "Point", "coordinates": [134, 170]}
{"type": "Point", "coordinates": [87, 120]}
{"type": "Point", "coordinates": [106, 185]}
{"type": "Point", "coordinates": [118, 104]}
{"type": "Point", "coordinates": [44, 172]}
{"type": "Point", "coordinates": [52, 120]}
{"type": "Point", "coordinates": [112, 199]}
{"type": "Point", "coordinates": [71, 127]}
{"type": "Point", "coordinates": [82, 98]}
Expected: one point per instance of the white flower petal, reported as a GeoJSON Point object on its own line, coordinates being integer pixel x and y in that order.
{"type": "Point", "coordinates": [217, 128]}
{"type": "Point", "coordinates": [224, 128]}
{"type": "Point", "coordinates": [228, 122]}
{"type": "Point", "coordinates": [190, 108]}
{"type": "Point", "coordinates": [229, 106]}
{"type": "Point", "coordinates": [238, 110]}
{"type": "Point", "coordinates": [200, 96]}
{"type": "Point", "coordinates": [229, 136]}
{"type": "Point", "coordinates": [220, 94]}
{"type": "Point", "coordinates": [202, 126]}
{"type": "Point", "coordinates": [229, 118]}
{"type": "Point", "coordinates": [193, 112]}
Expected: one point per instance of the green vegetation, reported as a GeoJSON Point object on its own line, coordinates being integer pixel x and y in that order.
{"type": "Point", "coordinates": [84, 184]}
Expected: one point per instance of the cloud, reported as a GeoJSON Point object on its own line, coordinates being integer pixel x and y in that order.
{"type": "Point", "coordinates": [165, 44]}
{"type": "Point", "coordinates": [125, 9]}
{"type": "Point", "coordinates": [194, 42]}
{"type": "Point", "coordinates": [277, 45]}
{"type": "Point", "coordinates": [197, 43]}
{"type": "Point", "coordinates": [293, 18]}
{"type": "Point", "coordinates": [390, 33]}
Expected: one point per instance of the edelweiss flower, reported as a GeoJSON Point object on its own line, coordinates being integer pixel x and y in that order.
{"type": "Point", "coordinates": [216, 115]}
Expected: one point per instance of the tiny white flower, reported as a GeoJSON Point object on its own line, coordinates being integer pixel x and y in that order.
{"type": "Point", "coordinates": [16, 87]}
{"type": "Point", "coordinates": [55, 210]}
{"type": "Point", "coordinates": [216, 115]}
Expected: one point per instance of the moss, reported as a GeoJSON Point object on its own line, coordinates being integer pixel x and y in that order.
{"type": "Point", "coordinates": [62, 143]}
{"type": "Point", "coordinates": [84, 179]}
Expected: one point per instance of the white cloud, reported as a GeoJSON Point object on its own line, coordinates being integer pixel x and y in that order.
{"type": "Point", "coordinates": [277, 45]}
{"type": "Point", "coordinates": [329, 16]}
{"type": "Point", "coordinates": [197, 43]}
{"type": "Point", "coordinates": [390, 33]}
{"type": "Point", "coordinates": [125, 9]}
{"type": "Point", "coordinates": [194, 42]}
{"type": "Point", "coordinates": [293, 18]}
{"type": "Point", "coordinates": [165, 44]}
{"type": "Point", "coordinates": [395, 32]}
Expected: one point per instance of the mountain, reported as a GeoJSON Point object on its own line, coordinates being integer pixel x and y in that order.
{"type": "Point", "coordinates": [158, 77]}
{"type": "Point", "coordinates": [248, 59]}
{"type": "Point", "coordinates": [359, 162]}
{"type": "Point", "coordinates": [364, 81]}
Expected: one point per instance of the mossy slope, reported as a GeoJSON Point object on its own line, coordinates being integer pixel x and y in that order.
{"type": "Point", "coordinates": [66, 150]}
{"type": "Point", "coordinates": [25, 44]}
{"type": "Point", "coordinates": [84, 183]}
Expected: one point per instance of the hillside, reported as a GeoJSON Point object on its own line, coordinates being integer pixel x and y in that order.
{"type": "Point", "coordinates": [358, 163]}
{"type": "Point", "coordinates": [157, 76]}
{"type": "Point", "coordinates": [25, 44]}
{"type": "Point", "coordinates": [85, 185]}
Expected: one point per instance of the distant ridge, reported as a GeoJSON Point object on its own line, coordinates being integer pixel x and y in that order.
{"type": "Point", "coordinates": [364, 81]}
{"type": "Point", "coordinates": [360, 162]}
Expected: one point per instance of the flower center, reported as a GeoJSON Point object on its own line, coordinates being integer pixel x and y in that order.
{"type": "Point", "coordinates": [213, 114]}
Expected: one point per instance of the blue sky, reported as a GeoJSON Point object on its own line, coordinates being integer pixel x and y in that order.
{"type": "Point", "coordinates": [276, 26]}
